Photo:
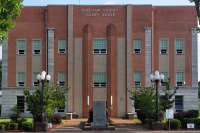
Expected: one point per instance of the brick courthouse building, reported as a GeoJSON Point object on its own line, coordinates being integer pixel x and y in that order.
{"type": "Point", "coordinates": [99, 51]}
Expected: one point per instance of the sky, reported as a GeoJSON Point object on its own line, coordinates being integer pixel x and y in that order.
{"type": "Point", "coordinates": [111, 2]}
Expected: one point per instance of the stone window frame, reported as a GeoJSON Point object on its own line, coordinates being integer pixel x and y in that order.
{"type": "Point", "coordinates": [137, 50]}
{"type": "Point", "coordinates": [37, 52]}
{"type": "Point", "coordinates": [61, 50]}
{"type": "Point", "coordinates": [21, 52]}
{"type": "Point", "coordinates": [164, 51]}
{"type": "Point", "coordinates": [99, 50]}
{"type": "Point", "coordinates": [100, 84]}
{"type": "Point", "coordinates": [61, 83]}
{"type": "Point", "coordinates": [18, 79]}
{"type": "Point", "coordinates": [137, 82]}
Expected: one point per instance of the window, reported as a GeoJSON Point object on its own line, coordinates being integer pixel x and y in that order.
{"type": "Point", "coordinates": [99, 46]}
{"type": "Point", "coordinates": [61, 109]}
{"type": "Point", "coordinates": [99, 80]}
{"type": "Point", "coordinates": [36, 46]}
{"type": "Point", "coordinates": [179, 79]}
{"type": "Point", "coordinates": [35, 81]}
{"type": "Point", "coordinates": [179, 46]}
{"type": "Point", "coordinates": [137, 78]}
{"type": "Point", "coordinates": [163, 83]}
{"type": "Point", "coordinates": [137, 46]}
{"type": "Point", "coordinates": [21, 79]}
{"type": "Point", "coordinates": [179, 103]}
{"type": "Point", "coordinates": [61, 78]}
{"type": "Point", "coordinates": [20, 103]}
{"type": "Point", "coordinates": [163, 46]}
{"type": "Point", "coordinates": [21, 46]}
{"type": "Point", "coordinates": [61, 46]}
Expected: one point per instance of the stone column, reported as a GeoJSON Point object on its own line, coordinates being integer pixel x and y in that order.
{"type": "Point", "coordinates": [70, 60]}
{"type": "Point", "coordinates": [5, 64]}
{"type": "Point", "coordinates": [147, 55]}
{"type": "Point", "coordinates": [51, 53]}
{"type": "Point", "coordinates": [129, 56]}
{"type": "Point", "coordinates": [194, 58]}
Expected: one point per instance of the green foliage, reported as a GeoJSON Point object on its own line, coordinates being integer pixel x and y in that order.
{"type": "Point", "coordinates": [174, 124]}
{"type": "Point", "coordinates": [145, 100]}
{"type": "Point", "coordinates": [27, 126]}
{"type": "Point", "coordinates": [195, 112]}
{"type": "Point", "coordinates": [13, 126]}
{"type": "Point", "coordinates": [166, 101]}
{"type": "Point", "coordinates": [9, 9]}
{"type": "Point", "coordinates": [187, 120]}
{"type": "Point", "coordinates": [54, 98]}
{"type": "Point", "coordinates": [197, 122]}
{"type": "Point", "coordinates": [2, 127]}
{"type": "Point", "coordinates": [16, 110]}
{"type": "Point", "coordinates": [6, 123]}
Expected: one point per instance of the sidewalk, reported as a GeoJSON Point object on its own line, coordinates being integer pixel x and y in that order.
{"type": "Point", "coordinates": [121, 126]}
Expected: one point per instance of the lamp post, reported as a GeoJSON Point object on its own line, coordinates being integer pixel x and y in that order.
{"type": "Point", "coordinates": [157, 78]}
{"type": "Point", "coordinates": [41, 78]}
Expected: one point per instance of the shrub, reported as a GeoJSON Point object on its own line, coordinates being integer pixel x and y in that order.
{"type": "Point", "coordinates": [2, 127]}
{"type": "Point", "coordinates": [197, 122]}
{"type": "Point", "coordinates": [13, 126]}
{"type": "Point", "coordinates": [174, 123]}
{"type": "Point", "coordinates": [141, 116]}
{"type": "Point", "coordinates": [20, 122]}
{"type": "Point", "coordinates": [194, 113]}
{"type": "Point", "coordinates": [57, 118]}
{"type": "Point", "coordinates": [6, 123]}
{"type": "Point", "coordinates": [90, 119]}
{"type": "Point", "coordinates": [27, 126]}
{"type": "Point", "coordinates": [14, 117]}
{"type": "Point", "coordinates": [180, 115]}
{"type": "Point", "coordinates": [187, 120]}
{"type": "Point", "coordinates": [161, 114]}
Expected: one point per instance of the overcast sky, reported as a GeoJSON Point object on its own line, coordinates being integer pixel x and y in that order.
{"type": "Point", "coordinates": [109, 2]}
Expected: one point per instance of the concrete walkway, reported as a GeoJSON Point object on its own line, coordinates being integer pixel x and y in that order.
{"type": "Point", "coordinates": [121, 126]}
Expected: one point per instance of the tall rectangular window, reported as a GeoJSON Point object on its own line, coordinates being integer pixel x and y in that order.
{"type": "Point", "coordinates": [137, 46]}
{"type": "Point", "coordinates": [61, 46]}
{"type": "Point", "coordinates": [163, 83]}
{"type": "Point", "coordinates": [179, 79]}
{"type": "Point", "coordinates": [20, 103]}
{"type": "Point", "coordinates": [179, 46]}
{"type": "Point", "coordinates": [36, 46]}
{"type": "Point", "coordinates": [21, 46]}
{"type": "Point", "coordinates": [61, 78]}
{"type": "Point", "coordinates": [179, 103]}
{"type": "Point", "coordinates": [35, 81]}
{"type": "Point", "coordinates": [100, 80]}
{"type": "Point", "coordinates": [163, 46]}
{"type": "Point", "coordinates": [21, 79]}
{"type": "Point", "coordinates": [137, 78]}
{"type": "Point", "coordinates": [99, 46]}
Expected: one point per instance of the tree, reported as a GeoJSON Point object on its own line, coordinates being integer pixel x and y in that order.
{"type": "Point", "coordinates": [54, 98]}
{"type": "Point", "coordinates": [197, 4]}
{"type": "Point", "coordinates": [9, 9]}
{"type": "Point", "coordinates": [166, 101]}
{"type": "Point", "coordinates": [145, 100]}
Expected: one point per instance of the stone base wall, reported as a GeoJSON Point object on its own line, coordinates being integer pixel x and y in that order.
{"type": "Point", "coordinates": [9, 100]}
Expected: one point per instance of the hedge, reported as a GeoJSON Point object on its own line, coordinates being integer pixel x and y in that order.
{"type": "Point", "coordinates": [2, 127]}
{"type": "Point", "coordinates": [6, 123]}
{"type": "Point", "coordinates": [13, 126]}
{"type": "Point", "coordinates": [174, 123]}
{"type": "Point", "coordinates": [187, 120]}
{"type": "Point", "coordinates": [27, 126]}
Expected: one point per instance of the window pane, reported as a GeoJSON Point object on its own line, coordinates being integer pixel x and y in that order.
{"type": "Point", "coordinates": [137, 76]}
{"type": "Point", "coordinates": [163, 44]}
{"type": "Point", "coordinates": [179, 102]}
{"type": "Point", "coordinates": [137, 44]}
{"type": "Point", "coordinates": [165, 77]}
{"type": "Point", "coordinates": [179, 77]}
{"type": "Point", "coordinates": [20, 103]}
{"type": "Point", "coordinates": [61, 76]}
{"type": "Point", "coordinates": [21, 44]}
{"type": "Point", "coordinates": [99, 77]}
{"type": "Point", "coordinates": [61, 44]}
{"type": "Point", "coordinates": [35, 77]}
{"type": "Point", "coordinates": [21, 77]}
{"type": "Point", "coordinates": [36, 44]}
{"type": "Point", "coordinates": [99, 44]}
{"type": "Point", "coordinates": [179, 44]}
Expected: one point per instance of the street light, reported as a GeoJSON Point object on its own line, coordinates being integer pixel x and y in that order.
{"type": "Point", "coordinates": [41, 78]}
{"type": "Point", "coordinates": [157, 78]}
